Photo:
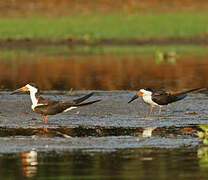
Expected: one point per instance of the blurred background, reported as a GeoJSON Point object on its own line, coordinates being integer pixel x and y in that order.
{"type": "Point", "coordinates": [100, 44]}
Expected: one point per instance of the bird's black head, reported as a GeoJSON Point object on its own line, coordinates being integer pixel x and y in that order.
{"type": "Point", "coordinates": [149, 89]}
{"type": "Point", "coordinates": [33, 85]}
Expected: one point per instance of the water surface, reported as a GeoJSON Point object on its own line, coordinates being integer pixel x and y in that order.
{"type": "Point", "coordinates": [105, 68]}
{"type": "Point", "coordinates": [140, 163]}
{"type": "Point", "coordinates": [110, 139]}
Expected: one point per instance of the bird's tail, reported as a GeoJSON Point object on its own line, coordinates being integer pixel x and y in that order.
{"type": "Point", "coordinates": [181, 95]}
{"type": "Point", "coordinates": [67, 107]}
{"type": "Point", "coordinates": [79, 100]}
{"type": "Point", "coordinates": [188, 91]}
{"type": "Point", "coordinates": [91, 102]}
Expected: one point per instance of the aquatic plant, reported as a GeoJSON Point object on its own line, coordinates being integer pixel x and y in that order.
{"type": "Point", "coordinates": [204, 133]}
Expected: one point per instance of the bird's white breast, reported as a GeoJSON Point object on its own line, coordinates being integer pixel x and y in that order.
{"type": "Point", "coordinates": [34, 100]}
{"type": "Point", "coordinates": [148, 99]}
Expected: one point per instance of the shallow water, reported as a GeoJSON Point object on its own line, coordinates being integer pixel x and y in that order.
{"type": "Point", "coordinates": [107, 140]}
{"type": "Point", "coordinates": [142, 163]}
{"type": "Point", "coordinates": [110, 139]}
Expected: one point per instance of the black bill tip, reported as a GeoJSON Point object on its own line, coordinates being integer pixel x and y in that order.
{"type": "Point", "coordinates": [133, 98]}
{"type": "Point", "coordinates": [17, 91]}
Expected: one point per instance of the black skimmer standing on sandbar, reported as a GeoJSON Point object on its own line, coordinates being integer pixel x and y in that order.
{"type": "Point", "coordinates": [47, 107]}
{"type": "Point", "coordinates": [160, 97]}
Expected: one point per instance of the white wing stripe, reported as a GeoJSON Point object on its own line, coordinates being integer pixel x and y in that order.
{"type": "Point", "coordinates": [68, 109]}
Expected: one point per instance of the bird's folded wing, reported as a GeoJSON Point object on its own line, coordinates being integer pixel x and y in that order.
{"type": "Point", "coordinates": [43, 101]}
{"type": "Point", "coordinates": [160, 93]}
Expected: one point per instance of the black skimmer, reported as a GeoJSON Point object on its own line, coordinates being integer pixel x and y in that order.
{"type": "Point", "coordinates": [47, 107]}
{"type": "Point", "coordinates": [160, 97]}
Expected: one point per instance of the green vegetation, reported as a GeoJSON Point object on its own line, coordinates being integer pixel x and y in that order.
{"type": "Point", "coordinates": [97, 26]}
{"type": "Point", "coordinates": [119, 51]}
{"type": "Point", "coordinates": [204, 133]}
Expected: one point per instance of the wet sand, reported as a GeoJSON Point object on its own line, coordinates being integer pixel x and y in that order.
{"type": "Point", "coordinates": [108, 125]}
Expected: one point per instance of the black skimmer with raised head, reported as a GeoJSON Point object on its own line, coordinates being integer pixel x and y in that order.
{"type": "Point", "coordinates": [47, 107]}
{"type": "Point", "coordinates": [160, 97]}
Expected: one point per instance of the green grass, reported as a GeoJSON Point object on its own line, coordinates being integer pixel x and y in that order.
{"type": "Point", "coordinates": [97, 26]}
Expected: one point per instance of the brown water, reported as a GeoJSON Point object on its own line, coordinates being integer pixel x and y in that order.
{"type": "Point", "coordinates": [110, 139]}
{"type": "Point", "coordinates": [95, 69]}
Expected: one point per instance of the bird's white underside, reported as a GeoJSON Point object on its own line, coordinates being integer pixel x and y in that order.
{"type": "Point", "coordinates": [147, 97]}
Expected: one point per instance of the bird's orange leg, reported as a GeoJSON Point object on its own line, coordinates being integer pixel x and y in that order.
{"type": "Point", "coordinates": [45, 119]}
{"type": "Point", "coordinates": [160, 109]}
{"type": "Point", "coordinates": [151, 108]}
{"type": "Point", "coordinates": [45, 129]}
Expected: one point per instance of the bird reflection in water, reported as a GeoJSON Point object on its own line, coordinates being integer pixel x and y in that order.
{"type": "Point", "coordinates": [147, 131]}
{"type": "Point", "coordinates": [29, 162]}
